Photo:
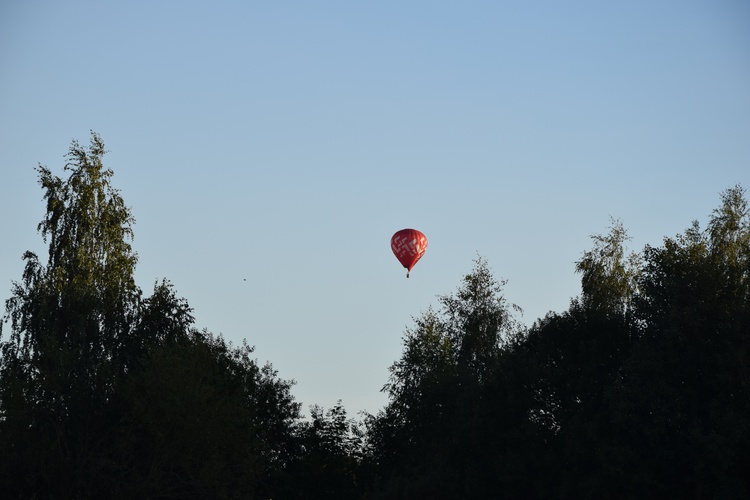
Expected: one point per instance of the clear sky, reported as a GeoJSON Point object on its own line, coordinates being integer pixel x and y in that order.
{"type": "Point", "coordinates": [269, 150]}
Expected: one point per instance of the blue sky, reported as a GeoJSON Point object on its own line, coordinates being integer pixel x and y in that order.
{"type": "Point", "coordinates": [283, 143]}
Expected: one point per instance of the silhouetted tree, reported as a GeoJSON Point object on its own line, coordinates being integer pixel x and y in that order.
{"type": "Point", "coordinates": [328, 459]}
{"type": "Point", "coordinates": [203, 420]}
{"type": "Point", "coordinates": [685, 398]}
{"type": "Point", "coordinates": [423, 444]}
{"type": "Point", "coordinates": [70, 320]}
{"type": "Point", "coordinates": [608, 276]}
{"type": "Point", "coordinates": [639, 390]}
{"type": "Point", "coordinates": [104, 394]}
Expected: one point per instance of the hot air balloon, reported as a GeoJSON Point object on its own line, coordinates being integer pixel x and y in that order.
{"type": "Point", "coordinates": [408, 246]}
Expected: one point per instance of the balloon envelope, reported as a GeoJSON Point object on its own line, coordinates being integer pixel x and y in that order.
{"type": "Point", "coordinates": [408, 246]}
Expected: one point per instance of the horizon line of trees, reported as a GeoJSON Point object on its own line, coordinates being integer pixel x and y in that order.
{"type": "Point", "coordinates": [641, 389]}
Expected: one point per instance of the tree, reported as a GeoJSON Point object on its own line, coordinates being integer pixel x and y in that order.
{"type": "Point", "coordinates": [104, 394]}
{"type": "Point", "coordinates": [568, 364]}
{"type": "Point", "coordinates": [70, 321]}
{"type": "Point", "coordinates": [478, 319]}
{"type": "Point", "coordinates": [641, 389]}
{"type": "Point", "coordinates": [729, 227]}
{"type": "Point", "coordinates": [201, 419]}
{"type": "Point", "coordinates": [608, 277]}
{"type": "Point", "coordinates": [427, 441]}
{"type": "Point", "coordinates": [685, 392]}
{"type": "Point", "coordinates": [463, 339]}
{"type": "Point", "coordinates": [327, 464]}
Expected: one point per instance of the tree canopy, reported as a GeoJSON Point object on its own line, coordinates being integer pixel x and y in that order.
{"type": "Point", "coordinates": [106, 394]}
{"type": "Point", "coordinates": [640, 389]}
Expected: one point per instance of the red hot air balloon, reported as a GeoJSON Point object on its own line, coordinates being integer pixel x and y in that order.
{"type": "Point", "coordinates": [408, 246]}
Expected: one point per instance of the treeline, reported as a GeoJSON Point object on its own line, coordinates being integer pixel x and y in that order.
{"type": "Point", "coordinates": [641, 389]}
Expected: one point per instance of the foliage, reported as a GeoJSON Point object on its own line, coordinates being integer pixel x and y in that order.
{"type": "Point", "coordinates": [640, 389]}
{"type": "Point", "coordinates": [436, 392]}
{"type": "Point", "coordinates": [329, 456]}
{"type": "Point", "coordinates": [106, 394]}
{"type": "Point", "coordinates": [202, 419]}
{"type": "Point", "coordinates": [608, 278]}
{"type": "Point", "coordinates": [70, 324]}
